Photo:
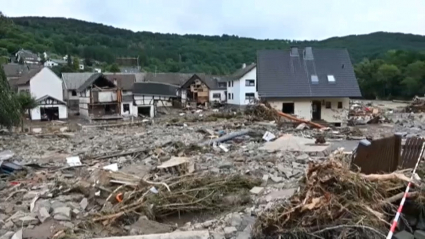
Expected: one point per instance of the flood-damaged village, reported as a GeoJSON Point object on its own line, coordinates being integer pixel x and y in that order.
{"type": "Point", "coordinates": [284, 147]}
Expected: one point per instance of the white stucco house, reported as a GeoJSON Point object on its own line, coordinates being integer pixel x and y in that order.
{"type": "Point", "coordinates": [43, 84]}
{"type": "Point", "coordinates": [242, 86]}
{"type": "Point", "coordinates": [312, 84]}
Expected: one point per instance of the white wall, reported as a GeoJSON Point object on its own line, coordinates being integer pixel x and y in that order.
{"type": "Point", "coordinates": [70, 97]}
{"type": "Point", "coordinates": [303, 108]}
{"type": "Point", "coordinates": [149, 100]}
{"type": "Point", "coordinates": [239, 89]}
{"type": "Point", "coordinates": [107, 96]}
{"type": "Point", "coordinates": [131, 108]}
{"type": "Point", "coordinates": [46, 82]}
{"type": "Point", "coordinates": [83, 107]}
{"type": "Point", "coordinates": [222, 95]}
{"type": "Point", "coordinates": [252, 75]}
{"type": "Point", "coordinates": [36, 115]}
{"type": "Point", "coordinates": [50, 63]}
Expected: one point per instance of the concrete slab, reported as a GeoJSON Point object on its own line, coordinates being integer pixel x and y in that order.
{"type": "Point", "coordinates": [289, 142]}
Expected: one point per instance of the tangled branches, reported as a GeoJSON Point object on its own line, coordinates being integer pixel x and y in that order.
{"type": "Point", "coordinates": [335, 203]}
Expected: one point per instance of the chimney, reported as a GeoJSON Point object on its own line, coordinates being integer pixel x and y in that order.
{"type": "Point", "coordinates": [308, 53]}
{"type": "Point", "coordinates": [294, 51]}
{"type": "Point", "coordinates": [243, 65]}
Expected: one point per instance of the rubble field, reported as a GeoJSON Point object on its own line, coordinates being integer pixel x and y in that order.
{"type": "Point", "coordinates": [204, 174]}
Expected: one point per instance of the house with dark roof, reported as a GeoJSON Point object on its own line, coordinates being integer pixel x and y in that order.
{"type": "Point", "coordinates": [201, 88]}
{"type": "Point", "coordinates": [310, 83]}
{"type": "Point", "coordinates": [72, 81]}
{"type": "Point", "coordinates": [241, 85]}
{"type": "Point", "coordinates": [46, 87]}
{"type": "Point", "coordinates": [148, 96]}
{"type": "Point", "coordinates": [27, 57]}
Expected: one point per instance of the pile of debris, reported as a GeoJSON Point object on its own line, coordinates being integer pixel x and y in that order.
{"type": "Point", "coordinates": [334, 202]}
{"type": "Point", "coordinates": [417, 105]}
{"type": "Point", "coordinates": [361, 114]}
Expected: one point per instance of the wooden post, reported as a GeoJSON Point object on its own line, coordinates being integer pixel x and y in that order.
{"type": "Point", "coordinates": [397, 150]}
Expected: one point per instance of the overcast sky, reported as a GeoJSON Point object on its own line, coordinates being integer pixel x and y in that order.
{"type": "Point", "coordinates": [282, 19]}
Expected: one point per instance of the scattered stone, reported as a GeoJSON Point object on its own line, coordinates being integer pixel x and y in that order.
{"type": "Point", "coordinates": [84, 203]}
{"type": "Point", "coordinates": [276, 179]}
{"type": "Point", "coordinates": [403, 235]}
{"type": "Point", "coordinates": [279, 195]}
{"type": "Point", "coordinates": [43, 214]}
{"type": "Point", "coordinates": [144, 226]}
{"type": "Point", "coordinates": [62, 214]}
{"type": "Point", "coordinates": [257, 190]}
{"type": "Point", "coordinates": [229, 232]}
{"type": "Point", "coordinates": [302, 157]}
{"type": "Point", "coordinates": [27, 220]}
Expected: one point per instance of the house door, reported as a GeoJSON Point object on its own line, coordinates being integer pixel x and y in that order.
{"type": "Point", "coordinates": [317, 110]}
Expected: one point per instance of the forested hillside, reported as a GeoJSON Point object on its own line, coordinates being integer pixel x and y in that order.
{"type": "Point", "coordinates": [176, 53]}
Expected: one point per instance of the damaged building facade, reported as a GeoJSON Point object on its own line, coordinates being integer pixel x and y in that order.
{"type": "Point", "coordinates": [150, 95]}
{"type": "Point", "coordinates": [99, 99]}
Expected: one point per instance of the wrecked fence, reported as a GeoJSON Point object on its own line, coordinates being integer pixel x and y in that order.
{"type": "Point", "coordinates": [411, 152]}
{"type": "Point", "coordinates": [386, 154]}
{"type": "Point", "coordinates": [382, 155]}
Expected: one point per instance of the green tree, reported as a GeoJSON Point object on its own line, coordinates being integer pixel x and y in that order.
{"type": "Point", "coordinates": [9, 108]}
{"type": "Point", "coordinates": [69, 60]}
{"type": "Point", "coordinates": [389, 75]}
{"type": "Point", "coordinates": [76, 64]}
{"type": "Point", "coordinates": [114, 68]}
{"type": "Point", "coordinates": [26, 102]}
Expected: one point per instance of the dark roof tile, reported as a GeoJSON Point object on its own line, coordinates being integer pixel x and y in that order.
{"type": "Point", "coordinates": [281, 75]}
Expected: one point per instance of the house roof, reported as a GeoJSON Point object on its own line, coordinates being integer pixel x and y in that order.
{"type": "Point", "coordinates": [124, 81]}
{"type": "Point", "coordinates": [242, 71]}
{"type": "Point", "coordinates": [210, 81]}
{"type": "Point", "coordinates": [72, 81]}
{"type": "Point", "coordinates": [25, 78]}
{"type": "Point", "coordinates": [16, 70]}
{"type": "Point", "coordinates": [53, 98]}
{"type": "Point", "coordinates": [155, 88]}
{"type": "Point", "coordinates": [91, 80]}
{"type": "Point", "coordinates": [177, 79]}
{"type": "Point", "coordinates": [285, 73]}
{"type": "Point", "coordinates": [127, 98]}
{"type": "Point", "coordinates": [27, 54]}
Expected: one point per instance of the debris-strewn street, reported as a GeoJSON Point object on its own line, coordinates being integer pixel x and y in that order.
{"type": "Point", "coordinates": [222, 174]}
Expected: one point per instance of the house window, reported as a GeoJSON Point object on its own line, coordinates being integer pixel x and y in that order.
{"type": "Point", "coordinates": [222, 84]}
{"type": "Point", "coordinates": [288, 108]}
{"type": "Point", "coordinates": [232, 83]}
{"type": "Point", "coordinates": [229, 96]}
{"type": "Point", "coordinates": [314, 79]}
{"type": "Point", "coordinates": [339, 105]}
{"type": "Point", "coordinates": [331, 79]}
{"type": "Point", "coordinates": [250, 83]}
{"type": "Point", "coordinates": [74, 93]}
{"type": "Point", "coordinates": [126, 107]}
{"type": "Point", "coordinates": [232, 96]}
{"type": "Point", "coordinates": [328, 105]}
{"type": "Point", "coordinates": [249, 96]}
{"type": "Point", "coordinates": [216, 95]}
{"type": "Point", "coordinates": [228, 84]}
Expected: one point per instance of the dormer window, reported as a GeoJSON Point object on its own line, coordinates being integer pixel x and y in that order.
{"type": "Point", "coordinates": [331, 79]}
{"type": "Point", "coordinates": [314, 79]}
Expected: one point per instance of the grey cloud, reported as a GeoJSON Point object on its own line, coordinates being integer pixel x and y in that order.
{"type": "Point", "coordinates": [282, 19]}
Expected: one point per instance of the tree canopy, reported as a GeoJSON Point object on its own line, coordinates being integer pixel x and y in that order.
{"type": "Point", "coordinates": [399, 74]}
{"type": "Point", "coordinates": [176, 53]}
